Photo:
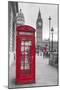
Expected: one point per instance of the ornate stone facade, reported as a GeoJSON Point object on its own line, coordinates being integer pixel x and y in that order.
{"type": "Point", "coordinates": [12, 10]}
{"type": "Point", "coordinates": [20, 20]}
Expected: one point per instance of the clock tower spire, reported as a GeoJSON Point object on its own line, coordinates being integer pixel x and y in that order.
{"type": "Point", "coordinates": [39, 14]}
{"type": "Point", "coordinates": [39, 24]}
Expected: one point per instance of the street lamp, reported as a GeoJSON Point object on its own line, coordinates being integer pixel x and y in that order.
{"type": "Point", "coordinates": [52, 31]}
{"type": "Point", "coordinates": [49, 30]}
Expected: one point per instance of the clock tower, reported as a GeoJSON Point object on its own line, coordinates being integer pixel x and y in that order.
{"type": "Point", "coordinates": [39, 24]}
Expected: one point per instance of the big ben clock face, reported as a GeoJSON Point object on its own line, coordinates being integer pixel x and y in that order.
{"type": "Point", "coordinates": [39, 23]}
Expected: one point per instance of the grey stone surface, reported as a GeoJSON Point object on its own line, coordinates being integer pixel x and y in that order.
{"type": "Point", "coordinates": [46, 75]}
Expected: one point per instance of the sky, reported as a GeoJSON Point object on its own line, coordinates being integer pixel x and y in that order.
{"type": "Point", "coordinates": [30, 11]}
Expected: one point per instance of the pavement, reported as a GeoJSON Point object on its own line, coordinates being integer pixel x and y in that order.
{"type": "Point", "coordinates": [46, 75]}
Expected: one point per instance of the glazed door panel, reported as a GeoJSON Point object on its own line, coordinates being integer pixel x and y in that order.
{"type": "Point", "coordinates": [25, 59]}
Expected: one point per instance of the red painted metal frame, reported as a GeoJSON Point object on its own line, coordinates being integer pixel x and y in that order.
{"type": "Point", "coordinates": [28, 77]}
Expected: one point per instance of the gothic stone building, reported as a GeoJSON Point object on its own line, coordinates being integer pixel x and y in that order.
{"type": "Point", "coordinates": [12, 10]}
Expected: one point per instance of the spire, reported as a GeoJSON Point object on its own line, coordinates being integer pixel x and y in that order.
{"type": "Point", "coordinates": [39, 14]}
{"type": "Point", "coordinates": [39, 19]}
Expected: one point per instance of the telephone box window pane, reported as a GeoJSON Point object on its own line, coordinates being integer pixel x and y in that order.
{"type": "Point", "coordinates": [27, 63]}
{"type": "Point", "coordinates": [22, 43]}
{"type": "Point", "coordinates": [23, 53]}
{"type": "Point", "coordinates": [22, 63]}
{"type": "Point", "coordinates": [22, 48]}
{"type": "Point", "coordinates": [27, 49]}
{"type": "Point", "coordinates": [26, 66]}
{"type": "Point", "coordinates": [26, 53]}
{"type": "Point", "coordinates": [27, 43]}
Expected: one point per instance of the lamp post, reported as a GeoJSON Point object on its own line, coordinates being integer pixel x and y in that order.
{"type": "Point", "coordinates": [52, 30]}
{"type": "Point", "coordinates": [49, 30]}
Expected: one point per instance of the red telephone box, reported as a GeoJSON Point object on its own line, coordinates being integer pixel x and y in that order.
{"type": "Point", "coordinates": [25, 54]}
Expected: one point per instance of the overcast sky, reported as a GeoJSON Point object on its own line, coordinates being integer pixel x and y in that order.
{"type": "Point", "coordinates": [31, 10]}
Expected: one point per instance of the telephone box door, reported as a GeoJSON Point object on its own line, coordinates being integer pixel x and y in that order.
{"type": "Point", "coordinates": [25, 59]}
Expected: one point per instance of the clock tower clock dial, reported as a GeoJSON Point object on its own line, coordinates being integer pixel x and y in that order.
{"type": "Point", "coordinates": [40, 24]}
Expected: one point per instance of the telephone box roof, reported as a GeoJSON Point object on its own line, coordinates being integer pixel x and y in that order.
{"type": "Point", "coordinates": [26, 28]}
